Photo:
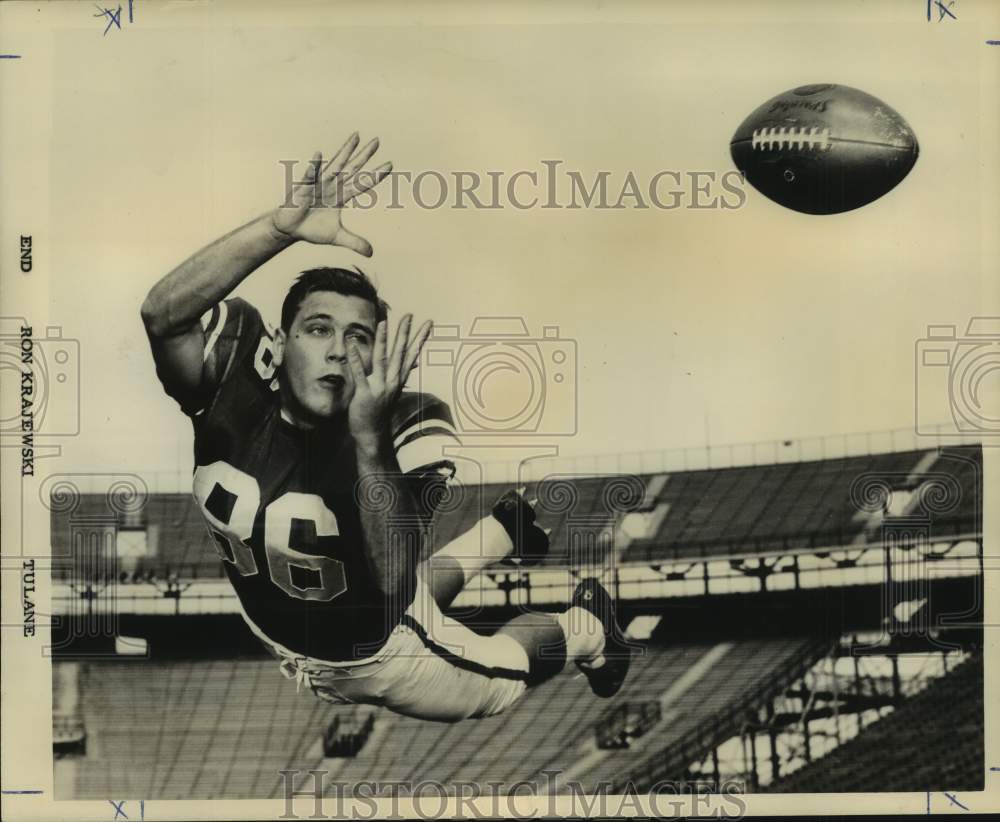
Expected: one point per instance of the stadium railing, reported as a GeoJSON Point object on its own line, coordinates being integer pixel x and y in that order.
{"type": "Point", "coordinates": [671, 763]}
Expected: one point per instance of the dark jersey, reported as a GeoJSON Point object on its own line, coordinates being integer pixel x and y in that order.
{"type": "Point", "coordinates": [280, 501]}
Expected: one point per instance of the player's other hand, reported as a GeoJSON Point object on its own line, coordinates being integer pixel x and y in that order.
{"type": "Point", "coordinates": [376, 390]}
{"type": "Point", "coordinates": [313, 211]}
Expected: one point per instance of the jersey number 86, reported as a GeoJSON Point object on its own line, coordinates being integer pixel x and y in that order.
{"type": "Point", "coordinates": [229, 499]}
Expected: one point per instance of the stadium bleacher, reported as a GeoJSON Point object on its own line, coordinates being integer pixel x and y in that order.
{"type": "Point", "coordinates": [185, 729]}
{"type": "Point", "coordinates": [225, 728]}
{"type": "Point", "coordinates": [706, 513]}
{"type": "Point", "coordinates": [932, 742]}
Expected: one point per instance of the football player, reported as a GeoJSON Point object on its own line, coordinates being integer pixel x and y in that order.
{"type": "Point", "coordinates": [311, 464]}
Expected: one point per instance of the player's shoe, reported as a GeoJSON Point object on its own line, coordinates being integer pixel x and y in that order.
{"type": "Point", "coordinates": [517, 516]}
{"type": "Point", "coordinates": [607, 679]}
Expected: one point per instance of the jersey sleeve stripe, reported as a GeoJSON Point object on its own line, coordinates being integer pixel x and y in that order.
{"type": "Point", "coordinates": [209, 317]}
{"type": "Point", "coordinates": [220, 323]}
{"type": "Point", "coordinates": [433, 425]}
{"type": "Point", "coordinates": [424, 452]}
{"type": "Point", "coordinates": [429, 431]}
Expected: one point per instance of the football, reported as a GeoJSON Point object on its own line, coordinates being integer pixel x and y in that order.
{"type": "Point", "coordinates": [824, 149]}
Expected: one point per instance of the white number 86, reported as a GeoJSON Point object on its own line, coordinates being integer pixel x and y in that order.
{"type": "Point", "coordinates": [229, 499]}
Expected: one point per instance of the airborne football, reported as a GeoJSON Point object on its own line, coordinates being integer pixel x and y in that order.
{"type": "Point", "coordinates": [824, 148]}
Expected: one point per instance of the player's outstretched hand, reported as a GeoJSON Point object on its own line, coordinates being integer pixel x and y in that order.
{"type": "Point", "coordinates": [313, 211]}
{"type": "Point", "coordinates": [376, 393]}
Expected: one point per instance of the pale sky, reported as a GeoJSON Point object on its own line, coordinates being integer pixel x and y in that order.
{"type": "Point", "coordinates": [749, 324]}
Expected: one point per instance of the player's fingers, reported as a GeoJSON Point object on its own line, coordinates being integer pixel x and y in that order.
{"type": "Point", "coordinates": [342, 156]}
{"type": "Point", "coordinates": [362, 157]}
{"type": "Point", "coordinates": [312, 168]}
{"type": "Point", "coordinates": [303, 194]}
{"type": "Point", "coordinates": [414, 348]}
{"type": "Point", "coordinates": [350, 240]}
{"type": "Point", "coordinates": [365, 180]}
{"type": "Point", "coordinates": [379, 358]}
{"type": "Point", "coordinates": [399, 348]}
{"type": "Point", "coordinates": [357, 367]}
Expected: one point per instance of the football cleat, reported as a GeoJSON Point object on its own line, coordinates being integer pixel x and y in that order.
{"type": "Point", "coordinates": [517, 516]}
{"type": "Point", "coordinates": [606, 679]}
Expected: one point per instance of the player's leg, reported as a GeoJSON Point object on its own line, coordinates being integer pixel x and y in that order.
{"type": "Point", "coordinates": [433, 668]}
{"type": "Point", "coordinates": [438, 669]}
{"type": "Point", "coordinates": [508, 534]}
{"type": "Point", "coordinates": [587, 633]}
{"type": "Point", "coordinates": [450, 569]}
{"type": "Point", "coordinates": [529, 649]}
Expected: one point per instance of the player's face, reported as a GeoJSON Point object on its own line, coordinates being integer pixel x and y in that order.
{"type": "Point", "coordinates": [317, 383]}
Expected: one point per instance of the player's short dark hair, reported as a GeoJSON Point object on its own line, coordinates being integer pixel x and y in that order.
{"type": "Point", "coordinates": [351, 283]}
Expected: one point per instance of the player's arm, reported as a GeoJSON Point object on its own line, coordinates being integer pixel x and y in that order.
{"type": "Point", "coordinates": [174, 306]}
{"type": "Point", "coordinates": [384, 491]}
